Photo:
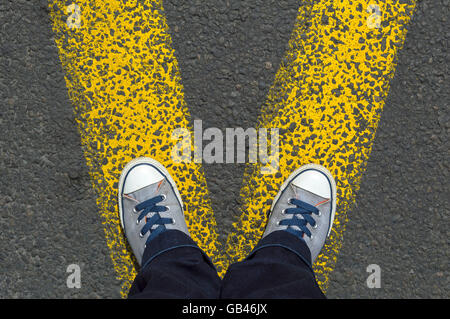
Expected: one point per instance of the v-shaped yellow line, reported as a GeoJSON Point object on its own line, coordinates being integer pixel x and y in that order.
{"type": "Point", "coordinates": [123, 79]}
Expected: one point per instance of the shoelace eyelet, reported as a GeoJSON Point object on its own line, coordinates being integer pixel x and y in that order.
{"type": "Point", "coordinates": [134, 210]}
{"type": "Point", "coordinates": [138, 221]}
{"type": "Point", "coordinates": [173, 221]}
{"type": "Point", "coordinates": [140, 235]}
{"type": "Point", "coordinates": [315, 226]}
{"type": "Point", "coordinates": [168, 208]}
{"type": "Point", "coordinates": [163, 197]}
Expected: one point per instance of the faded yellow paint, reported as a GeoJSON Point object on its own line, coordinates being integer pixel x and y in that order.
{"type": "Point", "coordinates": [326, 100]}
{"type": "Point", "coordinates": [123, 79]}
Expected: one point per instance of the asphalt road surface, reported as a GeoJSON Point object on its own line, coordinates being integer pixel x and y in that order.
{"type": "Point", "coordinates": [49, 218]}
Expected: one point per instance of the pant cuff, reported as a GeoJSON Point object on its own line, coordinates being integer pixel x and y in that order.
{"type": "Point", "coordinates": [166, 241]}
{"type": "Point", "coordinates": [288, 241]}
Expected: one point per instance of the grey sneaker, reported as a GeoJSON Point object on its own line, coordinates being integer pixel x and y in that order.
{"type": "Point", "coordinates": [149, 203]}
{"type": "Point", "coordinates": [305, 206]}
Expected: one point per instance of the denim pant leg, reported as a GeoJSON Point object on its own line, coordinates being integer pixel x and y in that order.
{"type": "Point", "coordinates": [278, 267]}
{"type": "Point", "coordinates": [173, 266]}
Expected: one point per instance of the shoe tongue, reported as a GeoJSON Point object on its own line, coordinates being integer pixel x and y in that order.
{"type": "Point", "coordinates": [308, 197]}
{"type": "Point", "coordinates": [147, 192]}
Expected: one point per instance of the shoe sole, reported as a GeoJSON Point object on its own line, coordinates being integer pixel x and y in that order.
{"type": "Point", "coordinates": [152, 162]}
{"type": "Point", "coordinates": [321, 169]}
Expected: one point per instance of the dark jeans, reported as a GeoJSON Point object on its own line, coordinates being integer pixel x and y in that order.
{"type": "Point", "coordinates": [175, 267]}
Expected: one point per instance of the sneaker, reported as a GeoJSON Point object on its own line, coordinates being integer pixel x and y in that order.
{"type": "Point", "coordinates": [305, 207]}
{"type": "Point", "coordinates": [149, 203]}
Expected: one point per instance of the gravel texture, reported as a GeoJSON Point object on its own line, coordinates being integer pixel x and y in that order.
{"type": "Point", "coordinates": [228, 56]}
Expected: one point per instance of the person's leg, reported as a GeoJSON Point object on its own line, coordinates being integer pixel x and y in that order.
{"type": "Point", "coordinates": [151, 214]}
{"type": "Point", "coordinates": [300, 220]}
{"type": "Point", "coordinates": [183, 272]}
{"type": "Point", "coordinates": [278, 267]}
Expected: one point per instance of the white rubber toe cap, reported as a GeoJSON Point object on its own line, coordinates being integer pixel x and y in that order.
{"type": "Point", "coordinates": [141, 176]}
{"type": "Point", "coordinates": [315, 182]}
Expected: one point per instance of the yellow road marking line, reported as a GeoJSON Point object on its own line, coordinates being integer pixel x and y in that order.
{"type": "Point", "coordinates": [326, 100]}
{"type": "Point", "coordinates": [122, 46]}
{"type": "Point", "coordinates": [123, 79]}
